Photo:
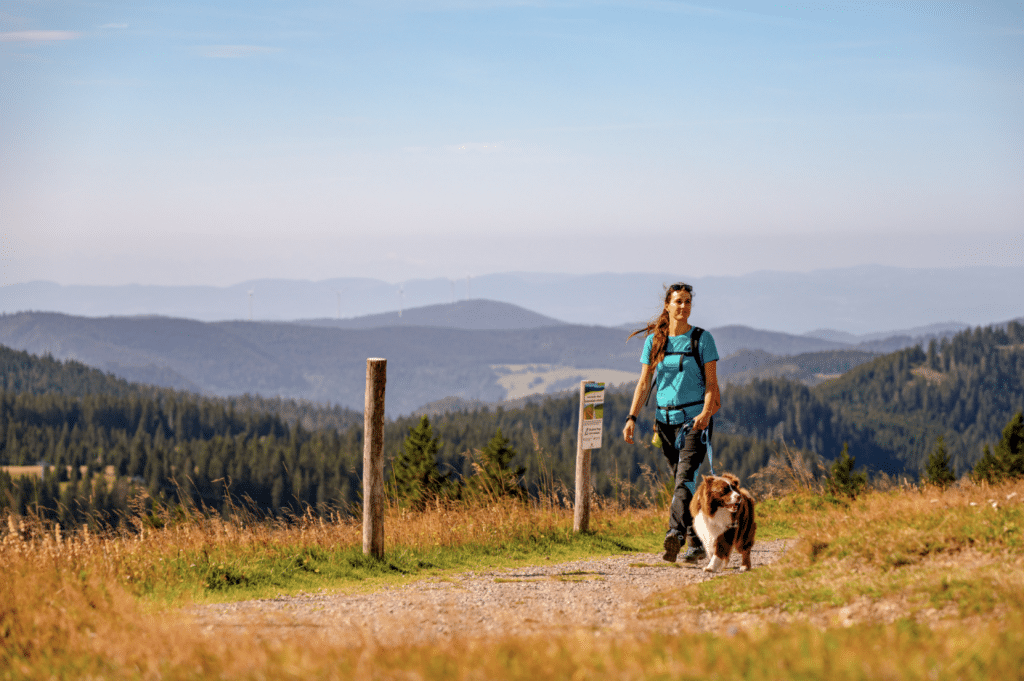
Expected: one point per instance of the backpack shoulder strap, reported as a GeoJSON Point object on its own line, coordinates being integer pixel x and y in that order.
{"type": "Point", "coordinates": [695, 349]}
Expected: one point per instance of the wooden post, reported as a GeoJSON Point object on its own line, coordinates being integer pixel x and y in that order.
{"type": "Point", "coordinates": [581, 511]}
{"type": "Point", "coordinates": [373, 457]}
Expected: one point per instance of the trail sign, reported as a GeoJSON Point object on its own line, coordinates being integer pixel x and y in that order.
{"type": "Point", "coordinates": [593, 415]}
{"type": "Point", "coordinates": [588, 437]}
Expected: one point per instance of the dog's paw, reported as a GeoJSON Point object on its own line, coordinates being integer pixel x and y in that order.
{"type": "Point", "coordinates": [743, 568]}
{"type": "Point", "coordinates": [710, 567]}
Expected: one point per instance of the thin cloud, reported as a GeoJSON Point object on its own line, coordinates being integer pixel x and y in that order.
{"type": "Point", "coordinates": [234, 51]}
{"type": "Point", "coordinates": [485, 147]}
{"type": "Point", "coordinates": [113, 26]}
{"type": "Point", "coordinates": [37, 36]}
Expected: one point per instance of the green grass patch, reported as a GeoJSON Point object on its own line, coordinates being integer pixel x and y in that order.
{"type": "Point", "coordinates": [227, 573]}
{"type": "Point", "coordinates": [775, 518]}
{"type": "Point", "coordinates": [895, 540]}
{"type": "Point", "coordinates": [922, 553]}
{"type": "Point", "coordinates": [970, 596]}
{"type": "Point", "coordinates": [578, 576]}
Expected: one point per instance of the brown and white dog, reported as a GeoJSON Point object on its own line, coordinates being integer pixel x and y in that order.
{"type": "Point", "coordinates": [723, 518]}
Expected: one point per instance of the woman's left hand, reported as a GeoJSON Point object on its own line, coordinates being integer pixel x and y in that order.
{"type": "Point", "coordinates": [712, 397]}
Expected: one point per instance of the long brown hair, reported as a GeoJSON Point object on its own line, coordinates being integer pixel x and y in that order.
{"type": "Point", "coordinates": [659, 325]}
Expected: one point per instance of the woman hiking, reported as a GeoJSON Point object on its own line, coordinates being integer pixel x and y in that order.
{"type": "Point", "coordinates": [681, 361]}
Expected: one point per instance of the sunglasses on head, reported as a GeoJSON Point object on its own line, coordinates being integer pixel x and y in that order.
{"type": "Point", "coordinates": [681, 287]}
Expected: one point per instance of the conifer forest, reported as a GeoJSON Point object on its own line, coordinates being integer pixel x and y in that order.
{"type": "Point", "coordinates": [80, 446]}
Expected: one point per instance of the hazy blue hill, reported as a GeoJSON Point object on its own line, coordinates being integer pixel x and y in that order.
{"type": "Point", "coordinates": [735, 337]}
{"type": "Point", "coordinates": [857, 300]}
{"type": "Point", "coordinates": [464, 314]}
{"type": "Point", "coordinates": [809, 368]}
{"type": "Point", "coordinates": [320, 364]}
{"type": "Point", "coordinates": [939, 330]}
{"type": "Point", "coordinates": [219, 358]}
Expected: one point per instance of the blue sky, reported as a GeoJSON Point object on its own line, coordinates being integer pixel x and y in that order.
{"type": "Point", "coordinates": [211, 143]}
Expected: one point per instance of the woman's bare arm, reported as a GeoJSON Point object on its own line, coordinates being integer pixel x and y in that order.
{"type": "Point", "coordinates": [712, 396]}
{"type": "Point", "coordinates": [643, 387]}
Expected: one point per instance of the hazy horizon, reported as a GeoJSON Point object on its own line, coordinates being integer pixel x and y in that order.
{"type": "Point", "coordinates": [858, 300]}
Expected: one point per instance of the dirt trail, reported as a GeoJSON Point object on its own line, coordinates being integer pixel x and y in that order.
{"type": "Point", "coordinates": [602, 594]}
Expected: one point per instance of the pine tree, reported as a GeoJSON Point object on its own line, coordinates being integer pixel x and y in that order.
{"type": "Point", "coordinates": [939, 471]}
{"type": "Point", "coordinates": [414, 471]}
{"type": "Point", "coordinates": [494, 476]}
{"type": "Point", "coordinates": [844, 480]}
{"type": "Point", "coordinates": [1007, 461]}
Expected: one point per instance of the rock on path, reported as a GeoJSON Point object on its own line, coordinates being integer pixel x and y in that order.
{"type": "Point", "coordinates": [601, 594]}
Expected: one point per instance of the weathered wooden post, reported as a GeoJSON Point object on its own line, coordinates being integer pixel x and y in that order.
{"type": "Point", "coordinates": [373, 457]}
{"type": "Point", "coordinates": [581, 510]}
{"type": "Point", "coordinates": [588, 437]}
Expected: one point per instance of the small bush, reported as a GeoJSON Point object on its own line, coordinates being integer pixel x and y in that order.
{"type": "Point", "coordinates": [939, 471]}
{"type": "Point", "coordinates": [843, 480]}
{"type": "Point", "coordinates": [1007, 461]}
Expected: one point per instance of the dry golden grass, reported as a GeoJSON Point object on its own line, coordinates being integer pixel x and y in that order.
{"type": "Point", "coordinates": [169, 555]}
{"type": "Point", "coordinates": [924, 547]}
{"type": "Point", "coordinates": [69, 606]}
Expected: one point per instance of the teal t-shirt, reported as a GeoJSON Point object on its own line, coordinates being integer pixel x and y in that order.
{"type": "Point", "coordinates": [677, 378]}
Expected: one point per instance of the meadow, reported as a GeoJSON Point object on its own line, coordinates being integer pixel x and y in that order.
{"type": "Point", "coordinates": [904, 583]}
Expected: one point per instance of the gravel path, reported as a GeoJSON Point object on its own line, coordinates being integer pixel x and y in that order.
{"type": "Point", "coordinates": [602, 595]}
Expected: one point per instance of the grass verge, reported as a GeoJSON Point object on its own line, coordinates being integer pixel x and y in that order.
{"type": "Point", "coordinates": [927, 548]}
{"type": "Point", "coordinates": [198, 558]}
{"type": "Point", "coordinates": [71, 609]}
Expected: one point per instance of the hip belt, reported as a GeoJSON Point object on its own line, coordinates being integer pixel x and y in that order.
{"type": "Point", "coordinates": [676, 407]}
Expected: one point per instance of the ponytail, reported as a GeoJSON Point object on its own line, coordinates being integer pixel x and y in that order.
{"type": "Point", "coordinates": [659, 327]}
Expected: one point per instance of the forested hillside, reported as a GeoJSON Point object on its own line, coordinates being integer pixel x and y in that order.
{"type": "Point", "coordinates": [21, 372]}
{"type": "Point", "coordinates": [101, 437]}
{"type": "Point", "coordinates": [892, 409]}
{"type": "Point", "coordinates": [97, 446]}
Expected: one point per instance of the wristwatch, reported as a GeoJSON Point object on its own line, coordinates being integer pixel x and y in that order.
{"type": "Point", "coordinates": [631, 418]}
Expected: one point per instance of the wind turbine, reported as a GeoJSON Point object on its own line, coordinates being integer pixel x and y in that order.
{"type": "Point", "coordinates": [251, 291]}
{"type": "Point", "coordinates": [401, 299]}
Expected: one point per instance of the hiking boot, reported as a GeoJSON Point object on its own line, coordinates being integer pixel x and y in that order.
{"type": "Point", "coordinates": [672, 546]}
{"type": "Point", "coordinates": [694, 554]}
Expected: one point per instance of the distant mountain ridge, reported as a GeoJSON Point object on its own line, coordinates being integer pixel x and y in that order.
{"type": "Point", "coordinates": [942, 329]}
{"type": "Point", "coordinates": [463, 314]}
{"type": "Point", "coordinates": [857, 300]}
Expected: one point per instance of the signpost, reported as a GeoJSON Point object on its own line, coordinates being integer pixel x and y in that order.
{"type": "Point", "coordinates": [588, 438]}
